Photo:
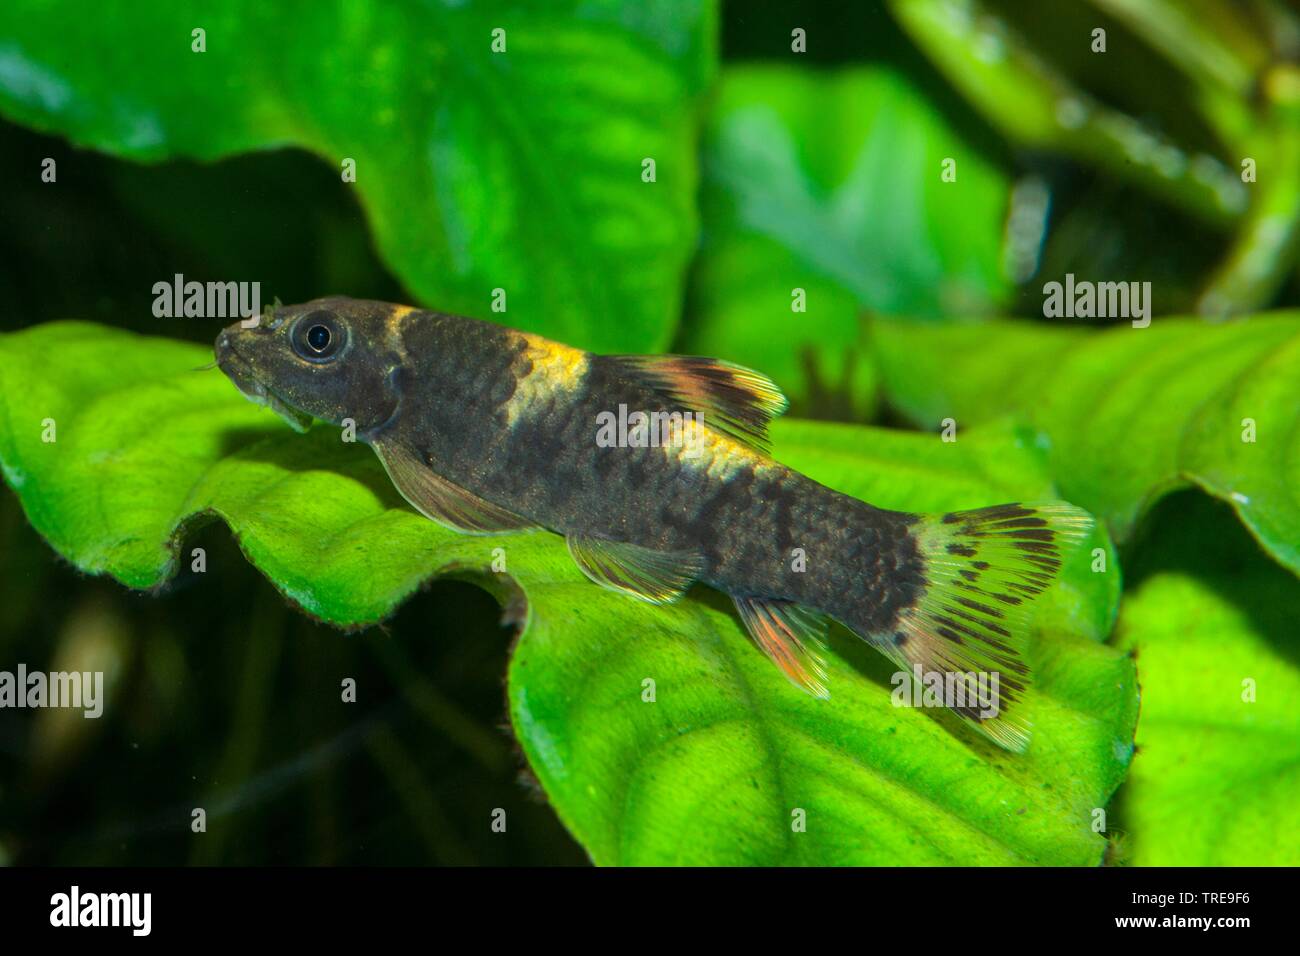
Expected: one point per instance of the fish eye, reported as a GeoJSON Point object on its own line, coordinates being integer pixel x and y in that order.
{"type": "Point", "coordinates": [318, 336]}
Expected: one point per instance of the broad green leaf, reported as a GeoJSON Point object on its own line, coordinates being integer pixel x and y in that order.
{"type": "Point", "coordinates": [715, 768]}
{"type": "Point", "coordinates": [479, 170]}
{"type": "Point", "coordinates": [1216, 779]}
{"type": "Point", "coordinates": [1128, 414]}
{"type": "Point", "coordinates": [831, 182]}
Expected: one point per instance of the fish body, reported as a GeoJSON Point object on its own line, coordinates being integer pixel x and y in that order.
{"type": "Point", "coordinates": [485, 428]}
{"type": "Point", "coordinates": [521, 417]}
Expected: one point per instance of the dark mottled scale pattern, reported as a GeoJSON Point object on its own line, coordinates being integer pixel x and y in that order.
{"type": "Point", "coordinates": [459, 378]}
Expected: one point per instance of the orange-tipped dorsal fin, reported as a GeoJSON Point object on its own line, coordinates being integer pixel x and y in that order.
{"type": "Point", "coordinates": [733, 399]}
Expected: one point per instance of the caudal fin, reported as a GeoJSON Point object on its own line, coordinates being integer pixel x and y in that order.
{"type": "Point", "coordinates": [968, 631]}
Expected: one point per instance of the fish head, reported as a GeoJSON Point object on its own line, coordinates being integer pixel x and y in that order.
{"type": "Point", "coordinates": [332, 359]}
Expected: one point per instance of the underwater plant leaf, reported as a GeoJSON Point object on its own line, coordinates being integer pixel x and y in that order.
{"type": "Point", "coordinates": [1216, 776]}
{"type": "Point", "coordinates": [714, 770]}
{"type": "Point", "coordinates": [479, 170]}
{"type": "Point", "coordinates": [1022, 93]}
{"type": "Point", "coordinates": [1216, 781]}
{"type": "Point", "coordinates": [1217, 96]}
{"type": "Point", "coordinates": [832, 182]}
{"type": "Point", "coordinates": [1127, 414]}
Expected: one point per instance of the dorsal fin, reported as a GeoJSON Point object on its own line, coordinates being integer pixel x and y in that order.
{"type": "Point", "coordinates": [659, 577]}
{"type": "Point", "coordinates": [733, 399]}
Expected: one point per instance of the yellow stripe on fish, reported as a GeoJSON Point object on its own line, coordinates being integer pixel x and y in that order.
{"type": "Point", "coordinates": [694, 444]}
{"type": "Point", "coordinates": [546, 369]}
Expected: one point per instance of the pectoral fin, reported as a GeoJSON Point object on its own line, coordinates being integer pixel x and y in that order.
{"type": "Point", "coordinates": [659, 577]}
{"type": "Point", "coordinates": [439, 499]}
{"type": "Point", "coordinates": [792, 635]}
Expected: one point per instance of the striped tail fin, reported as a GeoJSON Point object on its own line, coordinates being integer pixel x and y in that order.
{"type": "Point", "coordinates": [968, 631]}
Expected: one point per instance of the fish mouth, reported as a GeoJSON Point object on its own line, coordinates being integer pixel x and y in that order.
{"type": "Point", "coordinates": [240, 371]}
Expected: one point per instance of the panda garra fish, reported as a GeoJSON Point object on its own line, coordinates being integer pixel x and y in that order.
{"type": "Point", "coordinates": [486, 429]}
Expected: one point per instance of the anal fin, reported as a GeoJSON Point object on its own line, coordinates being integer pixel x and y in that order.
{"type": "Point", "coordinates": [441, 500]}
{"type": "Point", "coordinates": [659, 577]}
{"type": "Point", "coordinates": [792, 635]}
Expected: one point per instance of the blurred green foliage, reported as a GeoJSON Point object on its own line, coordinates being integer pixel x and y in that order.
{"type": "Point", "coordinates": [817, 170]}
{"type": "Point", "coordinates": [820, 201]}
{"type": "Point", "coordinates": [485, 158]}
